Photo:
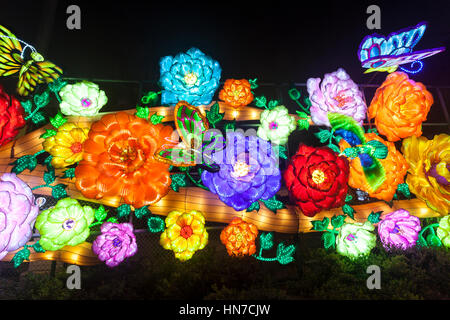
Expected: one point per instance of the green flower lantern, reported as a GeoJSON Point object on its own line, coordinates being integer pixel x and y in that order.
{"type": "Point", "coordinates": [443, 231]}
{"type": "Point", "coordinates": [356, 239]}
{"type": "Point", "coordinates": [66, 224]}
{"type": "Point", "coordinates": [276, 125]}
{"type": "Point", "coordinates": [82, 99]}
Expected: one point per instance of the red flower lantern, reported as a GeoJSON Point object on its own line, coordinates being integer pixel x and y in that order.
{"type": "Point", "coordinates": [11, 117]}
{"type": "Point", "coordinates": [317, 179]}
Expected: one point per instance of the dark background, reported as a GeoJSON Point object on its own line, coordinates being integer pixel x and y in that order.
{"type": "Point", "coordinates": [275, 41]}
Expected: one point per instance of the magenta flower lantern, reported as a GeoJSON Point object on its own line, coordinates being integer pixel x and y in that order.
{"type": "Point", "coordinates": [399, 229]}
{"type": "Point", "coordinates": [116, 242]}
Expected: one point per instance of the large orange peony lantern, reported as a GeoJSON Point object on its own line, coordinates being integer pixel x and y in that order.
{"type": "Point", "coordinates": [239, 238]}
{"type": "Point", "coordinates": [394, 165]}
{"type": "Point", "coordinates": [400, 106]}
{"type": "Point", "coordinates": [118, 161]}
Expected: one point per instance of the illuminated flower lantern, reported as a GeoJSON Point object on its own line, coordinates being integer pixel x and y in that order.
{"type": "Point", "coordinates": [18, 213]}
{"type": "Point", "coordinates": [356, 240]}
{"type": "Point", "coordinates": [443, 231]}
{"type": "Point", "coordinates": [336, 94]}
{"type": "Point", "coordinates": [115, 243]}
{"type": "Point", "coordinates": [192, 77]}
{"type": "Point", "coordinates": [317, 179]}
{"type": "Point", "coordinates": [11, 117]}
{"type": "Point", "coordinates": [239, 238]}
{"type": "Point", "coordinates": [66, 146]}
{"type": "Point", "coordinates": [429, 170]}
{"type": "Point", "coordinates": [400, 106]}
{"type": "Point", "coordinates": [119, 161]}
{"type": "Point", "coordinates": [248, 171]}
{"type": "Point", "coordinates": [276, 125]}
{"type": "Point", "coordinates": [394, 165]}
{"type": "Point", "coordinates": [66, 224]}
{"type": "Point", "coordinates": [399, 229]}
{"type": "Point", "coordinates": [185, 234]}
{"type": "Point", "coordinates": [237, 93]}
{"type": "Point", "coordinates": [82, 99]}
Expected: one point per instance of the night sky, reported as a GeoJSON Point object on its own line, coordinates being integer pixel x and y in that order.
{"type": "Point", "coordinates": [274, 41]}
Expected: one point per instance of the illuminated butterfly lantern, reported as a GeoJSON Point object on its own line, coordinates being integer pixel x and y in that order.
{"type": "Point", "coordinates": [378, 53]}
{"type": "Point", "coordinates": [29, 64]}
{"type": "Point", "coordinates": [193, 127]}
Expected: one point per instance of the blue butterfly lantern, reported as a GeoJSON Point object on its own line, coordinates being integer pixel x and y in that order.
{"type": "Point", "coordinates": [378, 53]}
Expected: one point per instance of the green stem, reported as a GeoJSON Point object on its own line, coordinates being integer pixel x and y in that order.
{"type": "Point", "coordinates": [41, 186]}
{"type": "Point", "coordinates": [303, 108]}
{"type": "Point", "coordinates": [430, 226]}
{"type": "Point", "coordinates": [95, 224]}
{"type": "Point", "coordinates": [38, 153]}
{"type": "Point", "coordinates": [198, 184]}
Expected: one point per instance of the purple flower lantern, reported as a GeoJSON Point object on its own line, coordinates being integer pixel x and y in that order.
{"type": "Point", "coordinates": [116, 243]}
{"type": "Point", "coordinates": [18, 212]}
{"type": "Point", "coordinates": [248, 171]}
{"type": "Point", "coordinates": [399, 229]}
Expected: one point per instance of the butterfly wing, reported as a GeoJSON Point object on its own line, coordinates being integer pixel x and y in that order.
{"type": "Point", "coordinates": [38, 72]}
{"type": "Point", "coordinates": [373, 171]}
{"type": "Point", "coordinates": [10, 51]}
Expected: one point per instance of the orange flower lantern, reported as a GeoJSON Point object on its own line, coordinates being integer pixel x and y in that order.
{"type": "Point", "coordinates": [118, 161]}
{"type": "Point", "coordinates": [239, 238]}
{"type": "Point", "coordinates": [394, 165]}
{"type": "Point", "coordinates": [400, 106]}
{"type": "Point", "coordinates": [236, 93]}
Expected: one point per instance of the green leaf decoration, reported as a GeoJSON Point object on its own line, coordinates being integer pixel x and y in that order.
{"type": "Point", "coordinates": [59, 191]}
{"type": "Point", "coordinates": [48, 162]}
{"type": "Point", "coordinates": [273, 204]}
{"type": "Point", "coordinates": [253, 83]}
{"type": "Point", "coordinates": [230, 126]}
{"type": "Point", "coordinates": [142, 112]}
{"type": "Point", "coordinates": [272, 104]}
{"type": "Point", "coordinates": [38, 118]}
{"type": "Point", "coordinates": [261, 102]}
{"type": "Point", "coordinates": [380, 149]}
{"type": "Point", "coordinates": [320, 225]}
{"type": "Point", "coordinates": [340, 121]}
{"type": "Point", "coordinates": [422, 242]}
{"type": "Point", "coordinates": [41, 100]}
{"type": "Point", "coordinates": [404, 189]}
{"type": "Point", "coordinates": [266, 240]}
{"type": "Point", "coordinates": [374, 217]}
{"type": "Point", "coordinates": [323, 135]}
{"type": "Point", "coordinates": [253, 206]}
{"type": "Point", "coordinates": [213, 114]}
{"type": "Point", "coordinates": [150, 97]}
{"type": "Point", "coordinates": [69, 173]}
{"type": "Point", "coordinates": [334, 147]}
{"type": "Point", "coordinates": [20, 256]}
{"type": "Point", "coordinates": [56, 85]}
{"type": "Point", "coordinates": [25, 162]}
{"type": "Point", "coordinates": [58, 120]}
{"type": "Point", "coordinates": [49, 177]}
{"type": "Point", "coordinates": [100, 213]}
{"type": "Point", "coordinates": [285, 254]}
{"type": "Point", "coordinates": [302, 124]}
{"type": "Point", "coordinates": [375, 175]}
{"type": "Point", "coordinates": [329, 240]}
{"type": "Point", "coordinates": [348, 198]}
{"type": "Point", "coordinates": [178, 180]}
{"type": "Point", "coordinates": [338, 221]}
{"type": "Point", "coordinates": [433, 240]}
{"type": "Point", "coordinates": [37, 247]}
{"type": "Point", "coordinates": [373, 130]}
{"type": "Point", "coordinates": [123, 211]}
{"type": "Point", "coordinates": [27, 106]}
{"type": "Point", "coordinates": [294, 94]}
{"type": "Point", "coordinates": [141, 212]}
{"type": "Point", "coordinates": [349, 211]}
{"type": "Point", "coordinates": [48, 133]}
{"type": "Point", "coordinates": [155, 224]}
{"type": "Point", "coordinates": [282, 152]}
{"type": "Point", "coordinates": [155, 119]}
{"type": "Point", "coordinates": [112, 220]}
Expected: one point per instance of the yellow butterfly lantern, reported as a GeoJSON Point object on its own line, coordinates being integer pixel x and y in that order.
{"type": "Point", "coordinates": [31, 67]}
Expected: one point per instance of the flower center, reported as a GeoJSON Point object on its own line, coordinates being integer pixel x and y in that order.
{"type": "Point", "coordinates": [77, 147]}
{"type": "Point", "coordinates": [239, 237]}
{"type": "Point", "coordinates": [240, 169]}
{"type": "Point", "coordinates": [190, 78]}
{"type": "Point", "coordinates": [318, 176]}
{"type": "Point", "coordinates": [86, 102]}
{"type": "Point", "coordinates": [441, 172]}
{"type": "Point", "coordinates": [342, 100]}
{"type": "Point", "coordinates": [351, 237]}
{"type": "Point", "coordinates": [396, 229]}
{"type": "Point", "coordinates": [117, 242]}
{"type": "Point", "coordinates": [186, 232]}
{"type": "Point", "coordinates": [273, 125]}
{"type": "Point", "coordinates": [68, 224]}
